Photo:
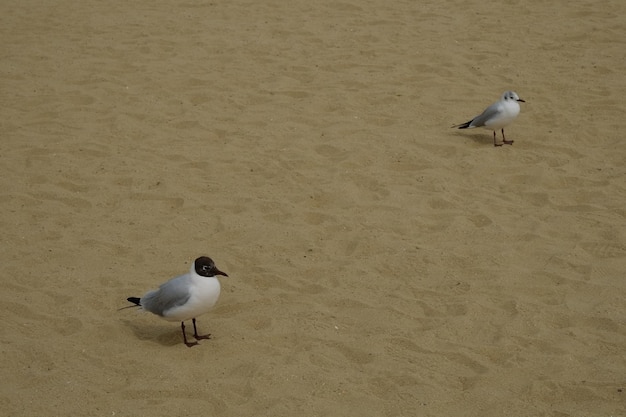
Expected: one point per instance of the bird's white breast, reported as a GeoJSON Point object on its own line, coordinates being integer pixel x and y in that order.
{"type": "Point", "coordinates": [204, 293]}
{"type": "Point", "coordinates": [506, 114]}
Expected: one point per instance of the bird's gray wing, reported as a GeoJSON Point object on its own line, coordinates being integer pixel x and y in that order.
{"type": "Point", "coordinates": [489, 113]}
{"type": "Point", "coordinates": [173, 293]}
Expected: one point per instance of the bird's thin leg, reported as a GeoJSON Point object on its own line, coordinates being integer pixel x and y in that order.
{"type": "Point", "coordinates": [195, 332]}
{"type": "Point", "coordinates": [182, 326]}
{"type": "Point", "coordinates": [494, 140]}
{"type": "Point", "coordinates": [508, 142]}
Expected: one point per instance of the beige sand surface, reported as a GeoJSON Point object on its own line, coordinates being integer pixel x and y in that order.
{"type": "Point", "coordinates": [381, 263]}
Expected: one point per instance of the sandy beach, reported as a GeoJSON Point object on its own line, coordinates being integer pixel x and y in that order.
{"type": "Point", "coordinates": [380, 263]}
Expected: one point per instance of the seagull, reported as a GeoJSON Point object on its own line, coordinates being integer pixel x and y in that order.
{"type": "Point", "coordinates": [185, 297]}
{"type": "Point", "coordinates": [497, 116]}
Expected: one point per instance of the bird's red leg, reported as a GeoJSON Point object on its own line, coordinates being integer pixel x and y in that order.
{"type": "Point", "coordinates": [195, 332]}
{"type": "Point", "coordinates": [182, 326]}
{"type": "Point", "coordinates": [494, 140]}
{"type": "Point", "coordinates": [508, 142]}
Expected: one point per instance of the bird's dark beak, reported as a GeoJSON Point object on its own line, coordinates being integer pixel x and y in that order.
{"type": "Point", "coordinates": [523, 101]}
{"type": "Point", "coordinates": [218, 272]}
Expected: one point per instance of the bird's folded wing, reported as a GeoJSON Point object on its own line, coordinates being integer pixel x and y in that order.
{"type": "Point", "coordinates": [489, 113]}
{"type": "Point", "coordinates": [173, 293]}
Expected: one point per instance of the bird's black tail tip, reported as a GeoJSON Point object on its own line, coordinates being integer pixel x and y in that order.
{"type": "Point", "coordinates": [135, 300]}
{"type": "Point", "coordinates": [463, 125]}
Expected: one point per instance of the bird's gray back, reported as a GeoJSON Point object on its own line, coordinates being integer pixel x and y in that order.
{"type": "Point", "coordinates": [173, 293]}
{"type": "Point", "coordinates": [486, 115]}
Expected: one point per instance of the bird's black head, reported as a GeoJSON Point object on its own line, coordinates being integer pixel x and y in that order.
{"type": "Point", "coordinates": [205, 267]}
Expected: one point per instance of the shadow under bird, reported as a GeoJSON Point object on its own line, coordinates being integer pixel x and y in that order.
{"type": "Point", "coordinates": [185, 297]}
{"type": "Point", "coordinates": [497, 116]}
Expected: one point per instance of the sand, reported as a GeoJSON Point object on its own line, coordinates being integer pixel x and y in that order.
{"type": "Point", "coordinates": [381, 263]}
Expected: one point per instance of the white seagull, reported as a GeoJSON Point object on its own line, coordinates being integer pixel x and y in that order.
{"type": "Point", "coordinates": [185, 297]}
{"type": "Point", "coordinates": [497, 116]}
